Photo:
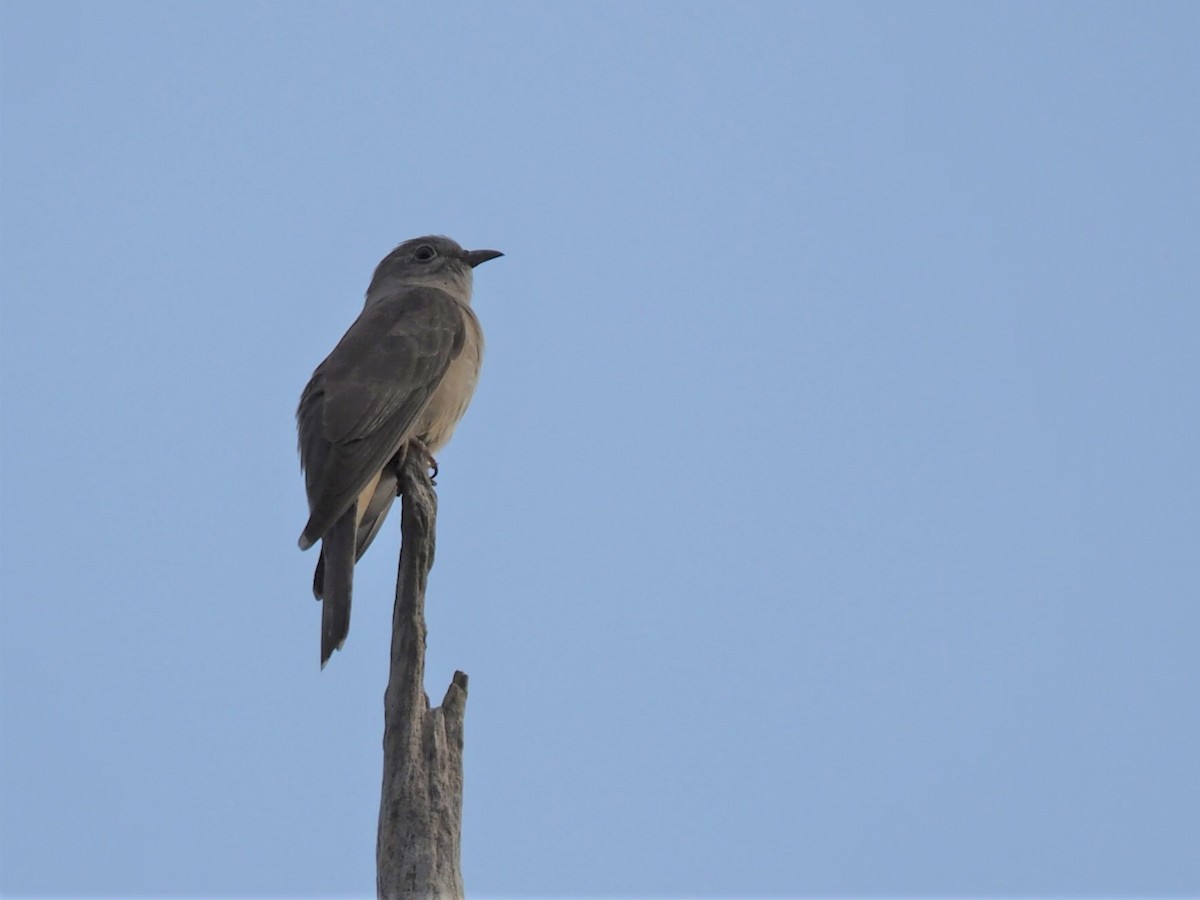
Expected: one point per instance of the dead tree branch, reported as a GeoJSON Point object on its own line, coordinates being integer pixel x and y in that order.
{"type": "Point", "coordinates": [420, 811]}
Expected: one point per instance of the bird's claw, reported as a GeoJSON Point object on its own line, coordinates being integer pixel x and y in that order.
{"type": "Point", "coordinates": [427, 459]}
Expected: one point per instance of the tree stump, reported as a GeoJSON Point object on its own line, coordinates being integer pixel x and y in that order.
{"type": "Point", "coordinates": [420, 812]}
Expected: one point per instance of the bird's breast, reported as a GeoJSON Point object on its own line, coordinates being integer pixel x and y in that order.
{"type": "Point", "coordinates": [452, 396]}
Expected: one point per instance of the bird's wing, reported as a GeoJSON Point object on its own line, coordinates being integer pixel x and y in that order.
{"type": "Point", "coordinates": [364, 399]}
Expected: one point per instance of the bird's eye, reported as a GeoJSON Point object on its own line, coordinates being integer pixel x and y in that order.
{"type": "Point", "coordinates": [424, 253]}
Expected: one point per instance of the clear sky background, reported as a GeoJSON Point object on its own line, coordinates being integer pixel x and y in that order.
{"type": "Point", "coordinates": [827, 520]}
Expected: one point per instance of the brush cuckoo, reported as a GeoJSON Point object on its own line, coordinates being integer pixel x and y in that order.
{"type": "Point", "coordinates": [397, 382]}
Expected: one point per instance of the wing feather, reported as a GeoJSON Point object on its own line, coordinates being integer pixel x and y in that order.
{"type": "Point", "coordinates": [363, 401]}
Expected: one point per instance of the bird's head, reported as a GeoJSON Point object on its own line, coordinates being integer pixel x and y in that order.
{"type": "Point", "coordinates": [431, 261]}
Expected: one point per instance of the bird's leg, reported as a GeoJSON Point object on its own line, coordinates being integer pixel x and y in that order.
{"type": "Point", "coordinates": [417, 446]}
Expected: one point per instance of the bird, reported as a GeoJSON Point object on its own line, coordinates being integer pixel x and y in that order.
{"type": "Point", "coordinates": [397, 382]}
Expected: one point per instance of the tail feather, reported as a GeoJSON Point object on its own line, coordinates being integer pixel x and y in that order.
{"type": "Point", "coordinates": [368, 527]}
{"type": "Point", "coordinates": [337, 573]}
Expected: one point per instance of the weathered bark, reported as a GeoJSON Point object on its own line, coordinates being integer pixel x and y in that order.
{"type": "Point", "coordinates": [420, 812]}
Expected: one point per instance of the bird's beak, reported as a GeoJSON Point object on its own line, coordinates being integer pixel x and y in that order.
{"type": "Point", "coordinates": [475, 257]}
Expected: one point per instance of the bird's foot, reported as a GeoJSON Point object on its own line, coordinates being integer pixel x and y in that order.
{"type": "Point", "coordinates": [426, 458]}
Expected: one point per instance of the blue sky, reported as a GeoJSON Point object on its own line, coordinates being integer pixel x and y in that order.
{"type": "Point", "coordinates": [826, 520]}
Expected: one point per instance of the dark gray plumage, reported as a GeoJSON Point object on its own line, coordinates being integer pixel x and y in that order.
{"type": "Point", "coordinates": [398, 380]}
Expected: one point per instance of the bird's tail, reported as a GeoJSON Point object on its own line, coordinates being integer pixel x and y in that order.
{"type": "Point", "coordinates": [337, 555]}
{"type": "Point", "coordinates": [368, 525]}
